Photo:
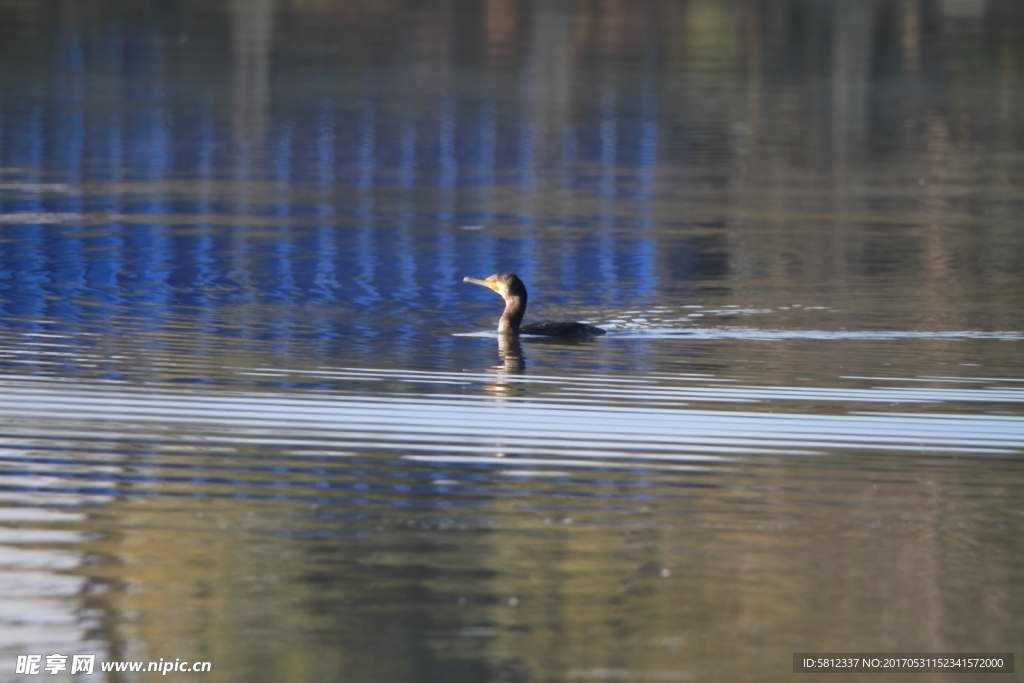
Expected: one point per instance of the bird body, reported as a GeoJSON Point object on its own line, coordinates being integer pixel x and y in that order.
{"type": "Point", "coordinates": [513, 291]}
{"type": "Point", "coordinates": [556, 328]}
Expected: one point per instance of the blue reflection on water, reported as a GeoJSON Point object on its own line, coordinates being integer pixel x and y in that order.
{"type": "Point", "coordinates": [147, 196]}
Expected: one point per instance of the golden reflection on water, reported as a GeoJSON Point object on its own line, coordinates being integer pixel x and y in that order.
{"type": "Point", "coordinates": [780, 559]}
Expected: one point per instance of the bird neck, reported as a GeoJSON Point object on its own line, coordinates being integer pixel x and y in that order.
{"type": "Point", "coordinates": [515, 308]}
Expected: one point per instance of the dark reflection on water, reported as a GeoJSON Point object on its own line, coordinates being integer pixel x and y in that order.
{"type": "Point", "coordinates": [250, 415]}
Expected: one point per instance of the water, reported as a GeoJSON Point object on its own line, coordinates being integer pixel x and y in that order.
{"type": "Point", "coordinates": [250, 415]}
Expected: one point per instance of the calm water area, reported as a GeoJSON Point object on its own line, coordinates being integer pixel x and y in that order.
{"type": "Point", "coordinates": [250, 414]}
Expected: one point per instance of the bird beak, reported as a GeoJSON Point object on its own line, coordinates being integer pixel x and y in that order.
{"type": "Point", "coordinates": [486, 283]}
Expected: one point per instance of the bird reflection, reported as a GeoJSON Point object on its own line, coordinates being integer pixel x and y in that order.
{"type": "Point", "coordinates": [511, 354]}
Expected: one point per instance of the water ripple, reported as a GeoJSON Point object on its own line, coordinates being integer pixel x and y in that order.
{"type": "Point", "coordinates": [304, 446]}
{"type": "Point", "coordinates": [751, 333]}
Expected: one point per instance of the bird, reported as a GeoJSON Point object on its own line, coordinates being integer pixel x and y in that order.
{"type": "Point", "coordinates": [513, 291]}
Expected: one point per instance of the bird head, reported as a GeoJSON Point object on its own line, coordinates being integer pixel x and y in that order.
{"type": "Point", "coordinates": [508, 285]}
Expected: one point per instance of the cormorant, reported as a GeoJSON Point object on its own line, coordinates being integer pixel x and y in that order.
{"type": "Point", "coordinates": [513, 291]}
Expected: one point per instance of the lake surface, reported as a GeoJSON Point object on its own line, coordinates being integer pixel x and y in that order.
{"type": "Point", "coordinates": [250, 415]}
